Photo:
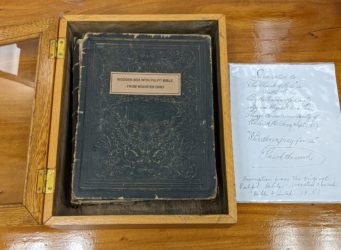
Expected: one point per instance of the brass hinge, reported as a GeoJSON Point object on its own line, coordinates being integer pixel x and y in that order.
{"type": "Point", "coordinates": [57, 48]}
{"type": "Point", "coordinates": [46, 180]}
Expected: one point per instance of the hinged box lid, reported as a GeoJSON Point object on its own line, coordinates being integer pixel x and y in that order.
{"type": "Point", "coordinates": [26, 84]}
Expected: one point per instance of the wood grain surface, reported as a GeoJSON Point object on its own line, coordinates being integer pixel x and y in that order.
{"type": "Point", "coordinates": [257, 31]}
{"type": "Point", "coordinates": [16, 103]}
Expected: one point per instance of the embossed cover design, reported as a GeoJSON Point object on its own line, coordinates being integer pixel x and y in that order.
{"type": "Point", "coordinates": [143, 147]}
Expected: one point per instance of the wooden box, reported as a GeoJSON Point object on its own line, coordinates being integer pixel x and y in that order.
{"type": "Point", "coordinates": [44, 158]}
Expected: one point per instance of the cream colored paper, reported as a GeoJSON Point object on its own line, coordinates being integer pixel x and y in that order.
{"type": "Point", "coordinates": [135, 83]}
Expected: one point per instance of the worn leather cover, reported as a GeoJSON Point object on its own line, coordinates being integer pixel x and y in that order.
{"type": "Point", "coordinates": [143, 147]}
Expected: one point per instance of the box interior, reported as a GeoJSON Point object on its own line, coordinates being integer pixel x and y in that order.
{"type": "Point", "coordinates": [61, 204]}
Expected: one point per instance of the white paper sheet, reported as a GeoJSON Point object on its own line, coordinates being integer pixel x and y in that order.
{"type": "Point", "coordinates": [286, 127]}
{"type": "Point", "coordinates": [10, 58]}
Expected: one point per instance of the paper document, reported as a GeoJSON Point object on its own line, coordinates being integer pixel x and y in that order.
{"type": "Point", "coordinates": [286, 127]}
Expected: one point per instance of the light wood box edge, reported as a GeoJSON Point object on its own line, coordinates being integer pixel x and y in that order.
{"type": "Point", "coordinates": [132, 220]}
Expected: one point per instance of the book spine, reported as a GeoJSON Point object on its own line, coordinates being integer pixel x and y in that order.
{"type": "Point", "coordinates": [75, 91]}
{"type": "Point", "coordinates": [78, 101]}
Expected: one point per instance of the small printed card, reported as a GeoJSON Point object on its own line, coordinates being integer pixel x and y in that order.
{"type": "Point", "coordinates": [286, 132]}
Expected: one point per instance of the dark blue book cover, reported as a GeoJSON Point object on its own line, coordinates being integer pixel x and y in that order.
{"type": "Point", "coordinates": [144, 126]}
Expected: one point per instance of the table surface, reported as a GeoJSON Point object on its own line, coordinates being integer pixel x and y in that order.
{"type": "Point", "coordinates": [257, 31]}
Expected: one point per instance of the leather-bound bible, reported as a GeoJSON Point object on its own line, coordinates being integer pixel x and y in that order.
{"type": "Point", "coordinates": [143, 118]}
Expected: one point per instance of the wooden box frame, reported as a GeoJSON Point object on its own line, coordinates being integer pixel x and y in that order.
{"type": "Point", "coordinates": [43, 203]}
{"type": "Point", "coordinates": [31, 210]}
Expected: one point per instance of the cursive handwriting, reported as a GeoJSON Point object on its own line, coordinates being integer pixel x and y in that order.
{"type": "Point", "coordinates": [286, 132]}
{"type": "Point", "coordinates": [286, 186]}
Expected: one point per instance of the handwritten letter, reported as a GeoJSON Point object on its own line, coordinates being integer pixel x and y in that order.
{"type": "Point", "coordinates": [286, 132]}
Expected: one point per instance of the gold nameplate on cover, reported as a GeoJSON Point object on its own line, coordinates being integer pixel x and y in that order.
{"type": "Point", "coordinates": [136, 83]}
